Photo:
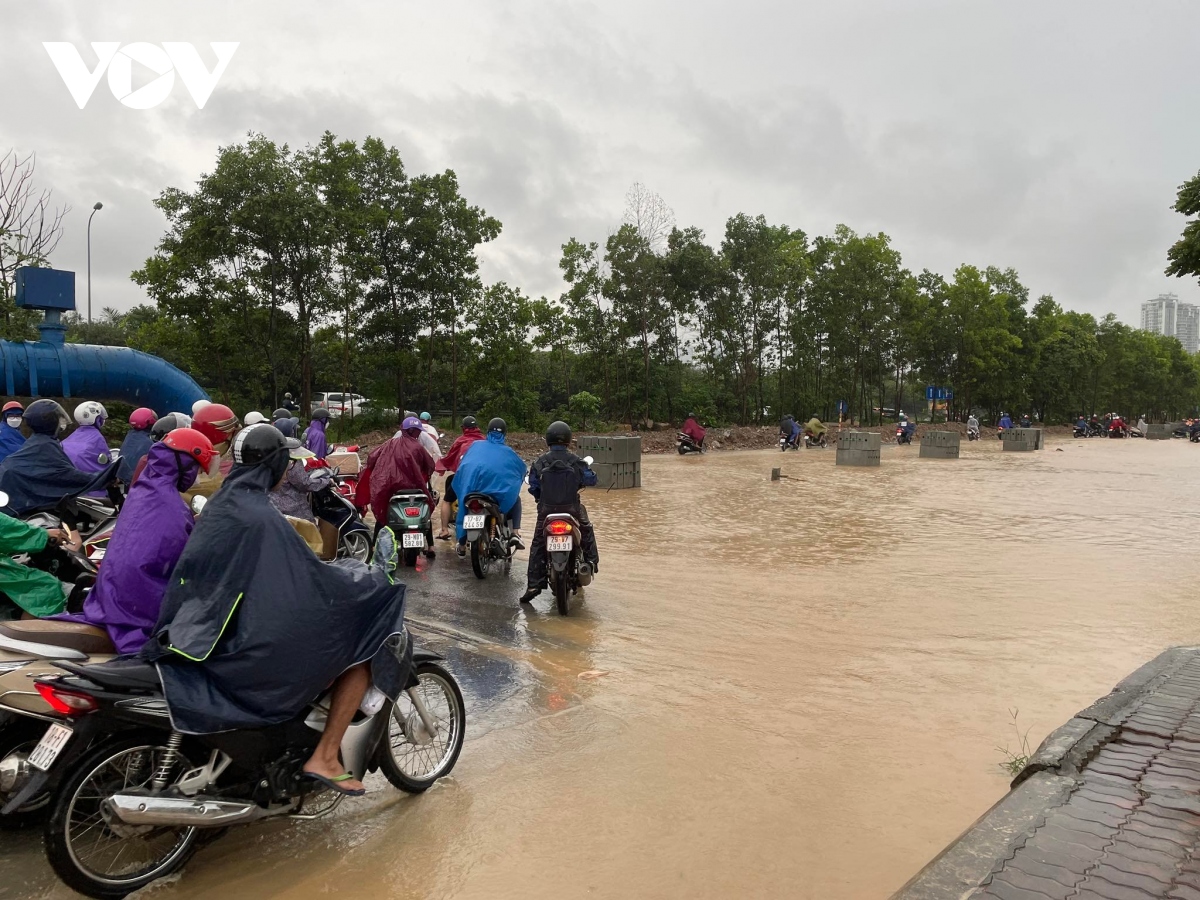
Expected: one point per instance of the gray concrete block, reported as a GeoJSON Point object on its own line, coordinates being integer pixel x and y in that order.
{"type": "Point", "coordinates": [940, 444]}
{"type": "Point", "coordinates": [858, 448]}
{"type": "Point", "coordinates": [1158, 432]}
{"type": "Point", "coordinates": [1021, 439]}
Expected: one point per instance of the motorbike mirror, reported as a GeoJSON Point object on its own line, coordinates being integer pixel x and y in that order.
{"type": "Point", "coordinates": [3, 499]}
{"type": "Point", "coordinates": [198, 504]}
{"type": "Point", "coordinates": [588, 460]}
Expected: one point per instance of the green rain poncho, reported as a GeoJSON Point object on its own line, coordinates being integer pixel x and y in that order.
{"type": "Point", "coordinates": [814, 427]}
{"type": "Point", "coordinates": [38, 593]}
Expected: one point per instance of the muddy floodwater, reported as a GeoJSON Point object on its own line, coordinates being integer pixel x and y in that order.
{"type": "Point", "coordinates": [791, 689]}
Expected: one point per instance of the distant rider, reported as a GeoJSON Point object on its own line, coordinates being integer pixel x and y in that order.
{"type": "Point", "coordinates": [146, 543]}
{"type": "Point", "coordinates": [40, 475]}
{"type": "Point", "coordinates": [1026, 421]}
{"type": "Point", "coordinates": [554, 480]}
{"type": "Point", "coordinates": [398, 464]}
{"type": "Point", "coordinates": [448, 465]}
{"type": "Point", "coordinates": [790, 429]}
{"type": "Point", "coordinates": [814, 428]}
{"type": "Point", "coordinates": [1081, 424]}
{"type": "Point", "coordinates": [293, 497]}
{"type": "Point", "coordinates": [289, 404]}
{"type": "Point", "coordinates": [1005, 421]}
{"type": "Point", "coordinates": [219, 424]}
{"type": "Point", "coordinates": [137, 443]}
{"type": "Point", "coordinates": [491, 468]}
{"type": "Point", "coordinates": [314, 437]}
{"type": "Point", "coordinates": [86, 447]}
{"type": "Point", "coordinates": [427, 426]}
{"type": "Point", "coordinates": [692, 429]}
{"type": "Point", "coordinates": [972, 424]}
{"type": "Point", "coordinates": [11, 439]}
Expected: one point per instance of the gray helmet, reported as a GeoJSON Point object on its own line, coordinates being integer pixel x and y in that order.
{"type": "Point", "coordinates": [558, 433]}
{"type": "Point", "coordinates": [321, 413]}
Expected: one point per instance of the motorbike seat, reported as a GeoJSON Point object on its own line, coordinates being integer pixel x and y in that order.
{"type": "Point", "coordinates": [119, 673]}
{"type": "Point", "coordinates": [70, 635]}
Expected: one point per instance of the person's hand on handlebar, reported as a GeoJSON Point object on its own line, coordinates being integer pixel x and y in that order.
{"type": "Point", "coordinates": [64, 538]}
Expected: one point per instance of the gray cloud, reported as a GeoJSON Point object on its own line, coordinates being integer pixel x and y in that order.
{"type": "Point", "coordinates": [1047, 137]}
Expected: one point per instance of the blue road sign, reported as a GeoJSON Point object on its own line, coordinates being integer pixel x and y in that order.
{"type": "Point", "coordinates": [929, 392]}
{"type": "Point", "coordinates": [843, 406]}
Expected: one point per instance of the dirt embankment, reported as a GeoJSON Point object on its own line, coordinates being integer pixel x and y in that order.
{"type": "Point", "coordinates": [738, 437]}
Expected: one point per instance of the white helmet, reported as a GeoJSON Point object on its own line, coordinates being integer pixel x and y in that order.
{"type": "Point", "coordinates": [91, 413]}
{"type": "Point", "coordinates": [199, 405]}
{"type": "Point", "coordinates": [253, 418]}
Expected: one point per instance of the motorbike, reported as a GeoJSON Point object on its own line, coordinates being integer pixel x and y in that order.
{"type": "Point", "coordinates": [684, 444]}
{"type": "Point", "coordinates": [567, 571]}
{"type": "Point", "coordinates": [1082, 432]}
{"type": "Point", "coordinates": [972, 434]}
{"type": "Point", "coordinates": [354, 537]}
{"type": "Point", "coordinates": [814, 440]}
{"type": "Point", "coordinates": [132, 799]}
{"type": "Point", "coordinates": [903, 435]}
{"type": "Point", "coordinates": [410, 516]}
{"type": "Point", "coordinates": [489, 534]}
{"type": "Point", "coordinates": [1117, 430]}
{"type": "Point", "coordinates": [786, 443]}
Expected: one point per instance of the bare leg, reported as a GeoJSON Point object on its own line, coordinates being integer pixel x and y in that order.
{"type": "Point", "coordinates": [444, 517]}
{"type": "Point", "coordinates": [348, 692]}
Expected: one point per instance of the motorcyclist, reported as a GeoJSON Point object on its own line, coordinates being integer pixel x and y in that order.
{"type": "Point", "coordinates": [972, 424]}
{"type": "Point", "coordinates": [814, 428]}
{"type": "Point", "coordinates": [11, 439]}
{"type": "Point", "coordinates": [36, 592]}
{"type": "Point", "coordinates": [428, 436]}
{"type": "Point", "coordinates": [907, 426]}
{"type": "Point", "coordinates": [1117, 426]}
{"type": "Point", "coordinates": [137, 442]}
{"type": "Point", "coordinates": [285, 422]}
{"type": "Point", "coordinates": [693, 429]}
{"type": "Point", "coordinates": [430, 429]}
{"type": "Point", "coordinates": [253, 418]}
{"type": "Point", "coordinates": [790, 429]}
{"type": "Point", "coordinates": [159, 430]}
{"type": "Point", "coordinates": [1094, 424]}
{"type": "Point", "coordinates": [86, 447]}
{"type": "Point", "coordinates": [40, 475]}
{"type": "Point", "coordinates": [492, 468]}
{"type": "Point", "coordinates": [398, 464]}
{"type": "Point", "coordinates": [217, 422]}
{"type": "Point", "coordinates": [1081, 424]}
{"type": "Point", "coordinates": [1142, 427]}
{"type": "Point", "coordinates": [290, 405]}
{"type": "Point", "coordinates": [314, 437]}
{"type": "Point", "coordinates": [1026, 421]}
{"type": "Point", "coordinates": [1005, 421]}
{"type": "Point", "coordinates": [302, 626]}
{"type": "Point", "coordinates": [554, 481]}
{"type": "Point", "coordinates": [448, 465]}
{"type": "Point", "coordinates": [293, 497]}
{"type": "Point", "coordinates": [146, 543]}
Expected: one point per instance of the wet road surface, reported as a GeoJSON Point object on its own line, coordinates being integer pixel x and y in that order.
{"type": "Point", "coordinates": [773, 689]}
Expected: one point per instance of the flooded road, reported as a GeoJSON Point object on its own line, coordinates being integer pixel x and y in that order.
{"type": "Point", "coordinates": [772, 689]}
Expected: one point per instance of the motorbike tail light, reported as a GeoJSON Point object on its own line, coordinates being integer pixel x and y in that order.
{"type": "Point", "coordinates": [475, 506]}
{"type": "Point", "coordinates": [558, 526]}
{"type": "Point", "coordinates": [412, 511]}
{"type": "Point", "coordinates": [64, 702]}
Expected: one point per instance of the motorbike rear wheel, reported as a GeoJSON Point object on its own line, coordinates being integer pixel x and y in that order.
{"type": "Point", "coordinates": [480, 561]}
{"type": "Point", "coordinates": [562, 592]}
{"type": "Point", "coordinates": [411, 758]}
{"type": "Point", "coordinates": [85, 844]}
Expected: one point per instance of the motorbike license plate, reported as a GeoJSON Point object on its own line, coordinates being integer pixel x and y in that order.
{"type": "Point", "coordinates": [473, 522]}
{"type": "Point", "coordinates": [559, 544]}
{"type": "Point", "coordinates": [412, 539]}
{"type": "Point", "coordinates": [51, 744]}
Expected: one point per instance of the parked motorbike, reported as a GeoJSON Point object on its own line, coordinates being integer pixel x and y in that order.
{"type": "Point", "coordinates": [411, 519]}
{"type": "Point", "coordinates": [814, 441]}
{"type": "Point", "coordinates": [903, 435]}
{"type": "Point", "coordinates": [489, 535]}
{"type": "Point", "coordinates": [566, 569]}
{"type": "Point", "coordinates": [131, 797]}
{"type": "Point", "coordinates": [354, 537]}
{"type": "Point", "coordinates": [684, 444]}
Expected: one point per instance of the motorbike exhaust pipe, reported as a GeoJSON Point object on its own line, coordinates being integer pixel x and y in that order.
{"type": "Point", "coordinates": [201, 812]}
{"type": "Point", "coordinates": [585, 574]}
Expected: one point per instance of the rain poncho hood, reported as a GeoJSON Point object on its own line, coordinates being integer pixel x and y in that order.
{"type": "Point", "coordinates": [252, 631]}
{"type": "Point", "coordinates": [399, 463]}
{"type": "Point", "coordinates": [149, 537]}
{"type": "Point", "coordinates": [133, 448]}
{"type": "Point", "coordinates": [449, 462]}
{"type": "Point", "coordinates": [11, 440]}
{"type": "Point", "coordinates": [314, 439]}
{"type": "Point", "coordinates": [489, 467]}
{"type": "Point", "coordinates": [40, 476]}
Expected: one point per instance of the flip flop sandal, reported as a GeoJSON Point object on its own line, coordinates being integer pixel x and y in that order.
{"type": "Point", "coordinates": [334, 785]}
{"type": "Point", "coordinates": [444, 537]}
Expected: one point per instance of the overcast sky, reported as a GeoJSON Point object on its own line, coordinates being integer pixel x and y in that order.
{"type": "Point", "coordinates": [1050, 137]}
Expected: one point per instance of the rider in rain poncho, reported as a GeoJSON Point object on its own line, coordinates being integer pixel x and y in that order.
{"type": "Point", "coordinates": [492, 468]}
{"type": "Point", "coordinates": [11, 439]}
{"type": "Point", "coordinates": [137, 443]}
{"type": "Point", "coordinates": [86, 447]}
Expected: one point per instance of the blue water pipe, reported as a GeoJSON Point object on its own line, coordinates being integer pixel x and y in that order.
{"type": "Point", "coordinates": [53, 368]}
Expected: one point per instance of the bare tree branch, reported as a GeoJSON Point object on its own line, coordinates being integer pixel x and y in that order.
{"type": "Point", "coordinates": [30, 228]}
{"type": "Point", "coordinates": [649, 214]}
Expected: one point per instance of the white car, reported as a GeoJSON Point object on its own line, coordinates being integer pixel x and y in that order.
{"type": "Point", "coordinates": [338, 404]}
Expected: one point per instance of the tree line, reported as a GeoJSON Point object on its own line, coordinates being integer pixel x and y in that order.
{"type": "Point", "coordinates": [332, 267]}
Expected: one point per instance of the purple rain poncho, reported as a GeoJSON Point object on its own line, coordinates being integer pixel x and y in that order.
{"type": "Point", "coordinates": [314, 439]}
{"type": "Point", "coordinates": [150, 535]}
{"type": "Point", "coordinates": [88, 451]}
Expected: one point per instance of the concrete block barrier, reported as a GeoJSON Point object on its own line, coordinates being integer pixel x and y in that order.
{"type": "Point", "coordinates": [1158, 432]}
{"type": "Point", "coordinates": [940, 444]}
{"type": "Point", "coordinates": [858, 448]}
{"type": "Point", "coordinates": [1022, 439]}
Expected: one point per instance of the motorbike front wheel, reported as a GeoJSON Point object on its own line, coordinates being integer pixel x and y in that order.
{"type": "Point", "coordinates": [480, 561]}
{"type": "Point", "coordinates": [413, 758]}
{"type": "Point", "coordinates": [355, 545]}
{"type": "Point", "coordinates": [89, 848]}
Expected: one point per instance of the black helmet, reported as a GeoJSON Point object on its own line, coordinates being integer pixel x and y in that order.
{"type": "Point", "coordinates": [263, 444]}
{"type": "Point", "coordinates": [558, 433]}
{"type": "Point", "coordinates": [163, 427]}
{"type": "Point", "coordinates": [319, 413]}
{"type": "Point", "coordinates": [281, 413]}
{"type": "Point", "coordinates": [469, 422]}
{"type": "Point", "coordinates": [498, 424]}
{"type": "Point", "coordinates": [46, 417]}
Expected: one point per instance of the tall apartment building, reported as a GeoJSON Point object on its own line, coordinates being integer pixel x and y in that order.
{"type": "Point", "coordinates": [1166, 315]}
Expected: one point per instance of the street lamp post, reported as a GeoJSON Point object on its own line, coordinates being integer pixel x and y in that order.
{"type": "Point", "coordinates": [95, 209]}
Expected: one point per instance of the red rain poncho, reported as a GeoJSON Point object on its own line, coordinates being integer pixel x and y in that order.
{"type": "Point", "coordinates": [399, 464]}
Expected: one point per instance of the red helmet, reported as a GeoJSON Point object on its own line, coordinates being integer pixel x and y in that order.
{"type": "Point", "coordinates": [192, 443]}
{"type": "Point", "coordinates": [216, 422]}
{"type": "Point", "coordinates": [142, 418]}
{"type": "Point", "coordinates": [12, 404]}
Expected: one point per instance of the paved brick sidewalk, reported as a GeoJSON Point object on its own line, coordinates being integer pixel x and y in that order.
{"type": "Point", "coordinates": [1108, 808]}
